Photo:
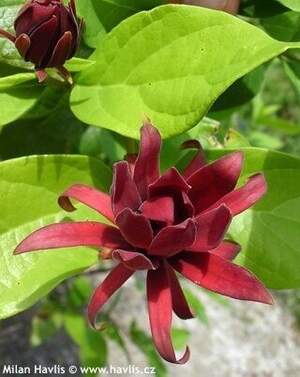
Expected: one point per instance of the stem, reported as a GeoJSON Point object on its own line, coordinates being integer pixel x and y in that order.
{"type": "Point", "coordinates": [6, 34]}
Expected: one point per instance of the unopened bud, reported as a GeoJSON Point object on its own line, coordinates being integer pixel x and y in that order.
{"type": "Point", "coordinates": [47, 34]}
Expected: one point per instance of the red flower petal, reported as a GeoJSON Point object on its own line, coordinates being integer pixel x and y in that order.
{"type": "Point", "coordinates": [184, 207]}
{"type": "Point", "coordinates": [170, 182]}
{"type": "Point", "coordinates": [67, 21]}
{"type": "Point", "coordinates": [131, 159]}
{"type": "Point", "coordinates": [113, 281]}
{"type": "Point", "coordinates": [160, 208]}
{"type": "Point", "coordinates": [135, 228]}
{"type": "Point", "coordinates": [41, 39]}
{"type": "Point", "coordinates": [197, 162]}
{"type": "Point", "coordinates": [61, 235]}
{"type": "Point", "coordinates": [62, 50]}
{"type": "Point", "coordinates": [95, 199]}
{"type": "Point", "coordinates": [221, 276]}
{"type": "Point", "coordinates": [179, 303]}
{"type": "Point", "coordinates": [211, 228]}
{"type": "Point", "coordinates": [213, 181]}
{"type": "Point", "coordinates": [173, 239]}
{"type": "Point", "coordinates": [22, 44]}
{"type": "Point", "coordinates": [241, 199]}
{"type": "Point", "coordinates": [146, 168]}
{"type": "Point", "coordinates": [72, 6]}
{"type": "Point", "coordinates": [160, 315]}
{"type": "Point", "coordinates": [124, 193]}
{"type": "Point", "coordinates": [35, 16]}
{"type": "Point", "coordinates": [227, 250]}
{"type": "Point", "coordinates": [133, 260]}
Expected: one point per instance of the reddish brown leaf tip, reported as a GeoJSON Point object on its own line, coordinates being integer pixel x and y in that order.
{"type": "Point", "coordinates": [22, 44]}
{"type": "Point", "coordinates": [41, 75]}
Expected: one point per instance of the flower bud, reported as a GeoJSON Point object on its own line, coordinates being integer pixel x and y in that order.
{"type": "Point", "coordinates": [47, 34]}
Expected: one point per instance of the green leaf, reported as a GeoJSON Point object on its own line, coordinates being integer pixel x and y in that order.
{"type": "Point", "coordinates": [20, 78]}
{"type": "Point", "coordinates": [292, 70]}
{"type": "Point", "coordinates": [18, 93]}
{"type": "Point", "coordinates": [285, 126]}
{"type": "Point", "coordinates": [159, 64]}
{"type": "Point", "coordinates": [101, 16]}
{"type": "Point", "coordinates": [78, 64]}
{"type": "Point", "coordinates": [269, 232]}
{"type": "Point", "coordinates": [263, 140]}
{"type": "Point", "coordinates": [102, 143]}
{"type": "Point", "coordinates": [292, 4]}
{"type": "Point", "coordinates": [79, 293]}
{"type": "Point", "coordinates": [285, 26]}
{"type": "Point", "coordinates": [261, 8]}
{"type": "Point", "coordinates": [29, 187]}
{"type": "Point", "coordinates": [234, 139]}
{"type": "Point", "coordinates": [242, 91]}
{"type": "Point", "coordinates": [145, 344]}
{"type": "Point", "coordinates": [49, 127]}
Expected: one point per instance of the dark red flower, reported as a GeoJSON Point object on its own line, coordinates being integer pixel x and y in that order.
{"type": "Point", "coordinates": [47, 34]}
{"type": "Point", "coordinates": [162, 224]}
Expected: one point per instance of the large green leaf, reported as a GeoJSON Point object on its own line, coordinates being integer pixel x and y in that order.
{"type": "Point", "coordinates": [29, 188]}
{"type": "Point", "coordinates": [101, 16]}
{"type": "Point", "coordinates": [169, 64]}
{"type": "Point", "coordinates": [18, 93]}
{"type": "Point", "coordinates": [269, 233]}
